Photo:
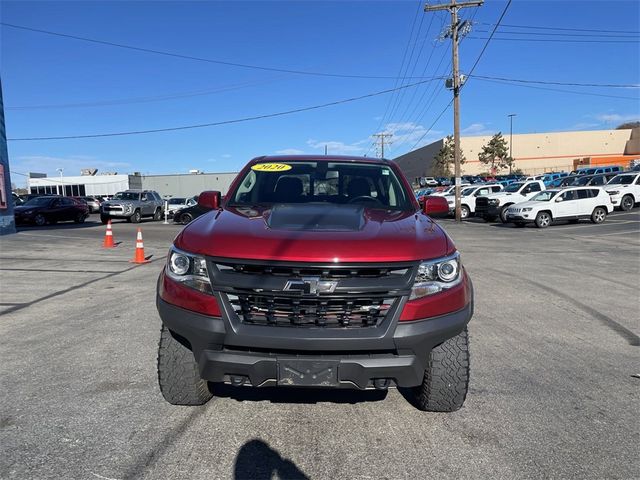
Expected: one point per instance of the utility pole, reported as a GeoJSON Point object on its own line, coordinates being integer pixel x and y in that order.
{"type": "Point", "coordinates": [453, 8]}
{"type": "Point", "coordinates": [325, 149]}
{"type": "Point", "coordinates": [381, 137]}
{"type": "Point", "coordinates": [511, 115]}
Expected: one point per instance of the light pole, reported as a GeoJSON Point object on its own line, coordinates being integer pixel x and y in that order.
{"type": "Point", "coordinates": [511, 115]}
{"type": "Point", "coordinates": [61, 179]}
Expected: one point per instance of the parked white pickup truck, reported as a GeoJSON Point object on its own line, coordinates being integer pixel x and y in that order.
{"type": "Point", "coordinates": [468, 197]}
{"type": "Point", "coordinates": [495, 205]}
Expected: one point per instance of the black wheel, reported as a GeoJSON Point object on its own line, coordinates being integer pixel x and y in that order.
{"type": "Point", "coordinates": [519, 224]}
{"type": "Point", "coordinates": [80, 218]}
{"type": "Point", "coordinates": [599, 215]}
{"type": "Point", "coordinates": [157, 214]}
{"type": "Point", "coordinates": [464, 211]}
{"type": "Point", "coordinates": [104, 219]}
{"type": "Point", "coordinates": [39, 220]}
{"type": "Point", "coordinates": [488, 218]}
{"type": "Point", "coordinates": [186, 218]}
{"type": "Point", "coordinates": [543, 219]}
{"type": "Point", "coordinates": [178, 376]}
{"type": "Point", "coordinates": [627, 203]}
{"type": "Point", "coordinates": [503, 214]}
{"type": "Point", "coordinates": [136, 217]}
{"type": "Point", "coordinates": [446, 379]}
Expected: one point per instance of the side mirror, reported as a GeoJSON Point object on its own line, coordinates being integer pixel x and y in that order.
{"type": "Point", "coordinates": [559, 199]}
{"type": "Point", "coordinates": [210, 200]}
{"type": "Point", "coordinates": [435, 206]}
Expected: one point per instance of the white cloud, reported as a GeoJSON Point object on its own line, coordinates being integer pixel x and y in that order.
{"type": "Point", "coordinates": [477, 129]}
{"type": "Point", "coordinates": [290, 151]}
{"type": "Point", "coordinates": [72, 165]}
{"type": "Point", "coordinates": [616, 117]}
{"type": "Point", "coordinates": [226, 155]}
{"type": "Point", "coordinates": [337, 148]}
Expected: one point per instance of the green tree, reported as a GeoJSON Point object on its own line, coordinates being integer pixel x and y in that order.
{"type": "Point", "coordinates": [495, 154]}
{"type": "Point", "coordinates": [443, 161]}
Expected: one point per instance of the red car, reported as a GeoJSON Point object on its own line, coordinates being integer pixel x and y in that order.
{"type": "Point", "coordinates": [315, 271]}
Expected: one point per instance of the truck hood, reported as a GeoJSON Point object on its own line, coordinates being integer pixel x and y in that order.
{"type": "Point", "coordinates": [315, 233]}
{"type": "Point", "coordinates": [502, 195]}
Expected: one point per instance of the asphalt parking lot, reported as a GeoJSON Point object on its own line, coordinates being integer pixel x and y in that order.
{"type": "Point", "coordinates": [554, 383]}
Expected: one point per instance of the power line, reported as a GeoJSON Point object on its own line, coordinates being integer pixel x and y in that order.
{"type": "Point", "coordinates": [549, 82]}
{"type": "Point", "coordinates": [128, 101]}
{"type": "Point", "coordinates": [554, 40]}
{"type": "Point", "coordinates": [556, 34]}
{"type": "Point", "coordinates": [227, 122]}
{"type": "Point", "coordinates": [537, 27]}
{"type": "Point", "coordinates": [497, 24]}
{"type": "Point", "coordinates": [575, 92]}
{"type": "Point", "coordinates": [404, 56]}
{"type": "Point", "coordinates": [199, 59]}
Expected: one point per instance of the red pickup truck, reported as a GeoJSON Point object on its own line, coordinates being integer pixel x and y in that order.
{"type": "Point", "coordinates": [315, 271]}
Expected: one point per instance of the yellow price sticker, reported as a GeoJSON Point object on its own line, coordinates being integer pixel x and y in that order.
{"type": "Point", "coordinates": [271, 167]}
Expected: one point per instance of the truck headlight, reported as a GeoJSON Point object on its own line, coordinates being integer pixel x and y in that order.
{"type": "Point", "coordinates": [613, 192]}
{"type": "Point", "coordinates": [188, 269]}
{"type": "Point", "coordinates": [436, 275]}
{"type": "Point", "coordinates": [128, 207]}
{"type": "Point", "coordinates": [493, 201]}
{"type": "Point", "coordinates": [527, 209]}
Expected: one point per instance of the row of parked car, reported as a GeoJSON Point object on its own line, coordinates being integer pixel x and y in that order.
{"type": "Point", "coordinates": [531, 201]}
{"type": "Point", "coordinates": [129, 205]}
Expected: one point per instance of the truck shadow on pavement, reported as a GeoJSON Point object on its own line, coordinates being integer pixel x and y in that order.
{"type": "Point", "coordinates": [296, 395]}
{"type": "Point", "coordinates": [257, 460]}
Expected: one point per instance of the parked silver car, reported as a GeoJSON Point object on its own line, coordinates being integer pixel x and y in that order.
{"type": "Point", "coordinates": [132, 205]}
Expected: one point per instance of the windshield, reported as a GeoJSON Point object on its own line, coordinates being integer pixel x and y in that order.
{"type": "Point", "coordinates": [373, 185]}
{"type": "Point", "coordinates": [544, 196]}
{"type": "Point", "coordinates": [38, 202]}
{"type": "Point", "coordinates": [514, 187]}
{"type": "Point", "coordinates": [467, 191]}
{"type": "Point", "coordinates": [622, 180]}
{"type": "Point", "coordinates": [176, 201]}
{"type": "Point", "coordinates": [126, 196]}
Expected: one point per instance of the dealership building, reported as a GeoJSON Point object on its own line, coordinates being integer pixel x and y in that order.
{"type": "Point", "coordinates": [536, 153]}
{"type": "Point", "coordinates": [91, 183]}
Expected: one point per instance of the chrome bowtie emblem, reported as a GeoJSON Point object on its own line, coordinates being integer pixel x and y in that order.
{"type": "Point", "coordinates": [312, 285]}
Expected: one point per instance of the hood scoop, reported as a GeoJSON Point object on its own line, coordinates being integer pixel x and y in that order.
{"type": "Point", "coordinates": [319, 217]}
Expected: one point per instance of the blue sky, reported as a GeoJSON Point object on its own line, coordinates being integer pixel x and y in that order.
{"type": "Point", "coordinates": [56, 74]}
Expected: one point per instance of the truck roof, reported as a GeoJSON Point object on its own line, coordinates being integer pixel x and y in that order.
{"type": "Point", "coordinates": [318, 158]}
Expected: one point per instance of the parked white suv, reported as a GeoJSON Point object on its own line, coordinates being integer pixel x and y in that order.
{"type": "Point", "coordinates": [468, 198]}
{"type": "Point", "coordinates": [624, 190]}
{"type": "Point", "coordinates": [570, 204]}
{"type": "Point", "coordinates": [496, 204]}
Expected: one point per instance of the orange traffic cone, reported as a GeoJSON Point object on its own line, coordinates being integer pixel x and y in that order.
{"type": "Point", "coordinates": [108, 237]}
{"type": "Point", "coordinates": [139, 256]}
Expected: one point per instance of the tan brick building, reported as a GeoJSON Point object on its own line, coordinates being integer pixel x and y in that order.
{"type": "Point", "coordinates": [537, 152]}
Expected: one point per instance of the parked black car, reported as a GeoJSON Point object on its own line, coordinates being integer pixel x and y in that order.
{"type": "Point", "coordinates": [42, 210]}
{"type": "Point", "coordinates": [185, 215]}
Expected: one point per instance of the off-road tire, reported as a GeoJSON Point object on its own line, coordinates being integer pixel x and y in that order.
{"type": "Point", "coordinates": [136, 217]}
{"type": "Point", "coordinates": [446, 379]}
{"type": "Point", "coordinates": [503, 213]}
{"type": "Point", "coordinates": [157, 214]}
{"type": "Point", "coordinates": [599, 215]}
{"type": "Point", "coordinates": [39, 220]}
{"type": "Point", "coordinates": [104, 219]}
{"type": "Point", "coordinates": [543, 219]}
{"type": "Point", "coordinates": [178, 375]}
{"type": "Point", "coordinates": [627, 203]}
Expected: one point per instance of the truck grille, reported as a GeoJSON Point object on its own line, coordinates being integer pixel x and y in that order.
{"type": "Point", "coordinates": [287, 294]}
{"type": "Point", "coordinates": [328, 312]}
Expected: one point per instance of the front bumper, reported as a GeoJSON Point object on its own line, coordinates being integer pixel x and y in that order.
{"type": "Point", "coordinates": [489, 210]}
{"type": "Point", "coordinates": [255, 353]}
